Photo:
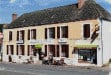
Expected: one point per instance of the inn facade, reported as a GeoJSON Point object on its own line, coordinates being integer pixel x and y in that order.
{"type": "Point", "coordinates": [72, 32]}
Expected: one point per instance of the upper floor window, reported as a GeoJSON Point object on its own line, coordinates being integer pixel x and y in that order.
{"type": "Point", "coordinates": [10, 35]}
{"type": "Point", "coordinates": [86, 30]}
{"type": "Point", "coordinates": [32, 34]}
{"type": "Point", "coordinates": [62, 32]}
{"type": "Point", "coordinates": [20, 35]}
{"type": "Point", "coordinates": [50, 32]}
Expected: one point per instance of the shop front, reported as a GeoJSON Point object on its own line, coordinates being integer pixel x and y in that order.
{"type": "Point", "coordinates": [86, 54]}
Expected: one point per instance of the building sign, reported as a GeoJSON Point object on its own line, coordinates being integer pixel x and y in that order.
{"type": "Point", "coordinates": [62, 40]}
{"type": "Point", "coordinates": [41, 41]}
{"type": "Point", "coordinates": [20, 42]}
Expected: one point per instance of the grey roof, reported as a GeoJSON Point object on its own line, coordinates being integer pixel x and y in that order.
{"type": "Point", "coordinates": [62, 14]}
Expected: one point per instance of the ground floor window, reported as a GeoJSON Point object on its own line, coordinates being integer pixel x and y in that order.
{"type": "Point", "coordinates": [65, 50]}
{"type": "Point", "coordinates": [31, 50]}
{"type": "Point", "coordinates": [34, 52]}
{"type": "Point", "coordinates": [57, 50]}
{"type": "Point", "coordinates": [10, 49]}
{"type": "Point", "coordinates": [20, 49]}
{"type": "Point", "coordinates": [87, 55]}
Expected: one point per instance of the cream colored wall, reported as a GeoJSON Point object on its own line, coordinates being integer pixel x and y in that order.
{"type": "Point", "coordinates": [75, 30]}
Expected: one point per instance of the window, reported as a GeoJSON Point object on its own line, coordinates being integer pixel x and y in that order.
{"type": "Point", "coordinates": [32, 34]}
{"type": "Point", "coordinates": [31, 50]}
{"type": "Point", "coordinates": [62, 32]}
{"type": "Point", "coordinates": [20, 35]}
{"type": "Point", "coordinates": [10, 50]}
{"type": "Point", "coordinates": [10, 35]}
{"type": "Point", "coordinates": [49, 33]}
{"type": "Point", "coordinates": [20, 49]}
{"type": "Point", "coordinates": [52, 50]}
{"type": "Point", "coordinates": [86, 30]}
{"type": "Point", "coordinates": [65, 50]}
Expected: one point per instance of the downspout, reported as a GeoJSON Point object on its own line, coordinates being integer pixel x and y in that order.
{"type": "Point", "coordinates": [101, 39]}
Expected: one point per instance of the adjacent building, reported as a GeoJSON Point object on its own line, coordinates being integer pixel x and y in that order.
{"type": "Point", "coordinates": [74, 32]}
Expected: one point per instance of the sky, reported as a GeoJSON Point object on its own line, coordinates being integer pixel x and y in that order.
{"type": "Point", "coordinates": [8, 7]}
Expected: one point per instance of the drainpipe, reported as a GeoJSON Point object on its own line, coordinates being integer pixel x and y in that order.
{"type": "Point", "coordinates": [101, 40]}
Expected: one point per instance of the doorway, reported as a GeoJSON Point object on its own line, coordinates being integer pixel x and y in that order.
{"type": "Point", "coordinates": [87, 56]}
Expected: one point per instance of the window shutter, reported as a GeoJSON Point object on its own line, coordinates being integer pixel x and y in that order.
{"type": "Point", "coordinates": [28, 50]}
{"type": "Point", "coordinates": [17, 35]}
{"type": "Point", "coordinates": [58, 32]}
{"type": "Point", "coordinates": [34, 33]}
{"type": "Point", "coordinates": [54, 33]}
{"type": "Point", "coordinates": [28, 34]}
{"type": "Point", "coordinates": [17, 49]}
{"type": "Point", "coordinates": [57, 50]}
{"type": "Point", "coordinates": [45, 33]}
{"type": "Point", "coordinates": [23, 33]}
{"type": "Point", "coordinates": [67, 50]}
{"type": "Point", "coordinates": [22, 49]}
{"type": "Point", "coordinates": [12, 50]}
{"type": "Point", "coordinates": [67, 32]}
{"type": "Point", "coordinates": [10, 35]}
{"type": "Point", "coordinates": [45, 50]}
{"type": "Point", "coordinates": [7, 49]}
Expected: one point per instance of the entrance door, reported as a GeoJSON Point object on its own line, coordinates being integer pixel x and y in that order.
{"type": "Point", "coordinates": [87, 56]}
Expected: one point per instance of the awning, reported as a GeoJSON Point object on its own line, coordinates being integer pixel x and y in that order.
{"type": "Point", "coordinates": [38, 46]}
{"type": "Point", "coordinates": [89, 46]}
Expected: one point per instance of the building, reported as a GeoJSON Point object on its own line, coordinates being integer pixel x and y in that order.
{"type": "Point", "coordinates": [72, 32]}
{"type": "Point", "coordinates": [1, 39]}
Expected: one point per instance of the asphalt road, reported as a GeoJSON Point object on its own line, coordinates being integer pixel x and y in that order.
{"type": "Point", "coordinates": [29, 69]}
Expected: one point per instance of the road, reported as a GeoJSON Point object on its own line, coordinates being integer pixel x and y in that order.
{"type": "Point", "coordinates": [29, 69]}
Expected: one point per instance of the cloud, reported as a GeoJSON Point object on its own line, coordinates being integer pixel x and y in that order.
{"type": "Point", "coordinates": [12, 1]}
{"type": "Point", "coordinates": [18, 3]}
{"type": "Point", "coordinates": [109, 1]}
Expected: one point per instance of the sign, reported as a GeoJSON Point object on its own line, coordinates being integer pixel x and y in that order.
{"type": "Point", "coordinates": [20, 42]}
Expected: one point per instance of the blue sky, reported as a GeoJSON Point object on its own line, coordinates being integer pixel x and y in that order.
{"type": "Point", "coordinates": [7, 7]}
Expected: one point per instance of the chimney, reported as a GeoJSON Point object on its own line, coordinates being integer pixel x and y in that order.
{"type": "Point", "coordinates": [14, 16]}
{"type": "Point", "coordinates": [80, 3]}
